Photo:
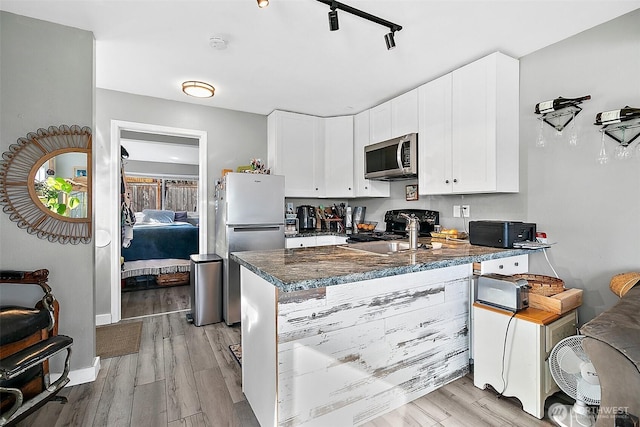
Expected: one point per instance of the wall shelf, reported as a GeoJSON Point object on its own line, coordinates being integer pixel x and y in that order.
{"type": "Point", "coordinates": [559, 119]}
{"type": "Point", "coordinates": [624, 133]}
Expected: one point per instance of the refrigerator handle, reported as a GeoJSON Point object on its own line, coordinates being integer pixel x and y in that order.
{"type": "Point", "coordinates": [266, 228]}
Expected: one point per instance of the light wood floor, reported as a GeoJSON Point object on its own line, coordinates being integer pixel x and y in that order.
{"type": "Point", "coordinates": [154, 301]}
{"type": "Point", "coordinates": [185, 376]}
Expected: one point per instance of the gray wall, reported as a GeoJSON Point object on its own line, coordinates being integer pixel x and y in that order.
{"type": "Point", "coordinates": [234, 138]}
{"type": "Point", "coordinates": [591, 210]}
{"type": "Point", "coordinates": [46, 78]}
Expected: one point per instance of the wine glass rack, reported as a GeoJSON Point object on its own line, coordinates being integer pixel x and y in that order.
{"type": "Point", "coordinates": [619, 132]}
{"type": "Point", "coordinates": [559, 119]}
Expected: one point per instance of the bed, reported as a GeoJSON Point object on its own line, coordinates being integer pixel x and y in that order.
{"type": "Point", "coordinates": [158, 236]}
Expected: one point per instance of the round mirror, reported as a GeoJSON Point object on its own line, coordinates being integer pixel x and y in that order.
{"type": "Point", "coordinates": [45, 183]}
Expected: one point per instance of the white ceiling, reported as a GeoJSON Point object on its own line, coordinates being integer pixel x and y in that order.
{"type": "Point", "coordinates": [285, 57]}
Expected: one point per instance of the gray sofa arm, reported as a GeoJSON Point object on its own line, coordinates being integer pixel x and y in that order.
{"type": "Point", "coordinates": [619, 381]}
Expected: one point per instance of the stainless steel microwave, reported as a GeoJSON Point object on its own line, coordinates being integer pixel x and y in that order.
{"type": "Point", "coordinates": [392, 160]}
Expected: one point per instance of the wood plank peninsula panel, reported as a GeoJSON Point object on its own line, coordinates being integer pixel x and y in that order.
{"type": "Point", "coordinates": [345, 354]}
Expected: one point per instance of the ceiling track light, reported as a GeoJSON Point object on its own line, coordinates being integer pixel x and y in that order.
{"type": "Point", "coordinates": [263, 3]}
{"type": "Point", "coordinates": [198, 89]}
{"type": "Point", "coordinates": [389, 40]}
{"type": "Point", "coordinates": [333, 20]}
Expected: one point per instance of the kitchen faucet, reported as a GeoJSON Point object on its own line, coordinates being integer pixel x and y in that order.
{"type": "Point", "coordinates": [412, 228]}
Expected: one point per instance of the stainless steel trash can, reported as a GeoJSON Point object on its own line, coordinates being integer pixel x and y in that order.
{"type": "Point", "coordinates": [206, 289]}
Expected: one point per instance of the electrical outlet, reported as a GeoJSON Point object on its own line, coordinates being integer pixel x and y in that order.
{"type": "Point", "coordinates": [456, 211]}
{"type": "Point", "coordinates": [466, 211]}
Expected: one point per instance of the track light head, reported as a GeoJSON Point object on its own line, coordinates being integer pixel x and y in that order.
{"type": "Point", "coordinates": [333, 20]}
{"type": "Point", "coordinates": [263, 3]}
{"type": "Point", "coordinates": [389, 40]}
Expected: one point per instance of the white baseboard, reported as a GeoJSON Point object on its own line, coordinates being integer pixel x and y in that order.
{"type": "Point", "coordinates": [81, 376]}
{"type": "Point", "coordinates": [103, 319]}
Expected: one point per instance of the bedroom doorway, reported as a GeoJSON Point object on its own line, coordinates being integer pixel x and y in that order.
{"type": "Point", "coordinates": [155, 139]}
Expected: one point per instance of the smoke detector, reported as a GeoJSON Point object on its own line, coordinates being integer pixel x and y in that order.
{"type": "Point", "coordinates": [218, 43]}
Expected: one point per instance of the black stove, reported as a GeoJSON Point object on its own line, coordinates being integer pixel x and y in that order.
{"type": "Point", "coordinates": [397, 224]}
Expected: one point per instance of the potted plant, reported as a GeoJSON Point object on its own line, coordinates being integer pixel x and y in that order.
{"type": "Point", "coordinates": [55, 195]}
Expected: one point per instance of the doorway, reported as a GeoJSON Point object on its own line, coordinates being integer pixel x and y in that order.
{"type": "Point", "coordinates": [118, 128]}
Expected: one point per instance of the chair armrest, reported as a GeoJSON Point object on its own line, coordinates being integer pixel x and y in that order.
{"type": "Point", "coordinates": [37, 277]}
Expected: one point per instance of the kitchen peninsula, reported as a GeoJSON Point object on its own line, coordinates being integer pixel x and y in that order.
{"type": "Point", "coordinates": [333, 336]}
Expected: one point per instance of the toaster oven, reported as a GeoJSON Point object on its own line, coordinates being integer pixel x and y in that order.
{"type": "Point", "coordinates": [505, 292]}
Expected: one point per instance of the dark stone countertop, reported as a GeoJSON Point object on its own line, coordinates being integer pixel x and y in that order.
{"type": "Point", "coordinates": [314, 267]}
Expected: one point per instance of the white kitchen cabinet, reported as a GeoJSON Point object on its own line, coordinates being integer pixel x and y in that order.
{"type": "Point", "coordinates": [396, 117]}
{"type": "Point", "coordinates": [330, 240]}
{"type": "Point", "coordinates": [468, 127]}
{"type": "Point", "coordinates": [380, 123]}
{"type": "Point", "coordinates": [434, 137]}
{"type": "Point", "coordinates": [517, 366]}
{"type": "Point", "coordinates": [338, 145]}
{"type": "Point", "coordinates": [518, 264]}
{"type": "Point", "coordinates": [404, 114]}
{"type": "Point", "coordinates": [309, 241]}
{"type": "Point", "coordinates": [295, 147]}
{"type": "Point", "coordinates": [364, 187]}
{"type": "Point", "coordinates": [299, 242]}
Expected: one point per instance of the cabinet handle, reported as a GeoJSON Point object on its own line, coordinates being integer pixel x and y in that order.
{"type": "Point", "coordinates": [316, 188]}
{"type": "Point", "coordinates": [301, 244]}
{"type": "Point", "coordinates": [446, 181]}
{"type": "Point", "coordinates": [366, 188]}
{"type": "Point", "coordinates": [501, 266]}
{"type": "Point", "coordinates": [516, 264]}
{"type": "Point", "coordinates": [349, 188]}
{"type": "Point", "coordinates": [455, 180]}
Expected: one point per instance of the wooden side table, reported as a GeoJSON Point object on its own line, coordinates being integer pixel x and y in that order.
{"type": "Point", "coordinates": [517, 366]}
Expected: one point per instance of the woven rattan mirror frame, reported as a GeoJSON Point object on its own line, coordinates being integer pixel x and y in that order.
{"type": "Point", "coordinates": [18, 195]}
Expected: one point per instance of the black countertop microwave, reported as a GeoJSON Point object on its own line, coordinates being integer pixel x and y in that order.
{"type": "Point", "coordinates": [392, 160]}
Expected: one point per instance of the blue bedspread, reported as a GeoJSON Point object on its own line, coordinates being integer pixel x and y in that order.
{"type": "Point", "coordinates": [176, 240]}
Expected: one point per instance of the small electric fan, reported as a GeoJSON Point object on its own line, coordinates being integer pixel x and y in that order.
{"type": "Point", "coordinates": [575, 375]}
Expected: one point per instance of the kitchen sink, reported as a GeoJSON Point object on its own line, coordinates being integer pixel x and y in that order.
{"type": "Point", "coordinates": [381, 247]}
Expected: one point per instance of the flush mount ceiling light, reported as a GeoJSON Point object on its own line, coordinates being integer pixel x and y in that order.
{"type": "Point", "coordinates": [333, 20]}
{"type": "Point", "coordinates": [218, 43]}
{"type": "Point", "coordinates": [198, 89]}
{"type": "Point", "coordinates": [263, 3]}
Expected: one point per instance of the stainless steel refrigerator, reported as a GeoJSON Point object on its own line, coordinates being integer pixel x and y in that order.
{"type": "Point", "coordinates": [249, 216]}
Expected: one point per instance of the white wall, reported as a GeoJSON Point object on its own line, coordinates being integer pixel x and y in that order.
{"type": "Point", "coordinates": [46, 78]}
{"type": "Point", "coordinates": [234, 138]}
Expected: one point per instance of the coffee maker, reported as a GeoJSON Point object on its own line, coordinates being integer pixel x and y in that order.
{"type": "Point", "coordinates": [306, 217]}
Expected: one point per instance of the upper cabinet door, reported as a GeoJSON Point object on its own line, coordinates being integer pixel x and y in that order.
{"type": "Point", "coordinates": [485, 125]}
{"type": "Point", "coordinates": [434, 137]}
{"type": "Point", "coordinates": [394, 118]}
{"type": "Point", "coordinates": [404, 114]}
{"type": "Point", "coordinates": [338, 174]}
{"type": "Point", "coordinates": [380, 123]}
{"type": "Point", "coordinates": [364, 187]}
{"type": "Point", "coordinates": [296, 150]}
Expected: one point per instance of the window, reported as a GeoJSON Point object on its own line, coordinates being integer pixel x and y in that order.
{"type": "Point", "coordinates": [162, 193]}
